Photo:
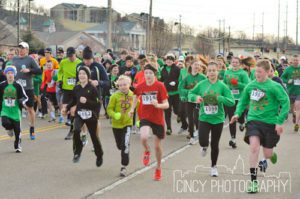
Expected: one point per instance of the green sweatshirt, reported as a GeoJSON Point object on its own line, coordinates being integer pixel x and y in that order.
{"type": "Point", "coordinates": [215, 96]}
{"type": "Point", "coordinates": [221, 74]}
{"type": "Point", "coordinates": [252, 74]}
{"type": "Point", "coordinates": [265, 99]}
{"type": "Point", "coordinates": [188, 83]}
{"type": "Point", "coordinates": [242, 80]}
{"type": "Point", "coordinates": [292, 73]}
{"type": "Point", "coordinates": [183, 73]}
{"type": "Point", "coordinates": [67, 73]}
{"type": "Point", "coordinates": [120, 103]}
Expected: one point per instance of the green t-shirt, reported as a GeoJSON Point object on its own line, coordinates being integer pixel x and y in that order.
{"type": "Point", "coordinates": [292, 73]}
{"type": "Point", "coordinates": [221, 74]}
{"type": "Point", "coordinates": [67, 73]}
{"type": "Point", "coordinates": [188, 83]}
{"type": "Point", "coordinates": [10, 103]}
{"type": "Point", "coordinates": [215, 96]}
{"type": "Point", "coordinates": [268, 102]}
{"type": "Point", "coordinates": [252, 74]}
{"type": "Point", "coordinates": [242, 80]}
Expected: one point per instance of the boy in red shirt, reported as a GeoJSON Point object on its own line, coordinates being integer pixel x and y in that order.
{"type": "Point", "coordinates": [154, 99]}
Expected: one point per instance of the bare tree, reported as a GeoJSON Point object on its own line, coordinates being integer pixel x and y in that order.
{"type": "Point", "coordinates": [204, 45]}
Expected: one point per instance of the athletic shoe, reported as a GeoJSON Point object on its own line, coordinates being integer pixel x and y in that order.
{"type": "Point", "coordinates": [40, 115]}
{"type": "Point", "coordinates": [52, 120]}
{"type": "Point", "coordinates": [196, 134]}
{"type": "Point", "coordinates": [296, 127]}
{"type": "Point", "coordinates": [32, 136]}
{"type": "Point", "coordinates": [68, 123]}
{"type": "Point", "coordinates": [203, 151]}
{"type": "Point", "coordinates": [99, 161]}
{"type": "Point", "coordinates": [76, 158]}
{"type": "Point", "coordinates": [157, 174]}
{"type": "Point", "coordinates": [188, 137]}
{"type": "Point", "coordinates": [169, 132]}
{"type": "Point", "coordinates": [263, 165]}
{"type": "Point", "coordinates": [123, 172]}
{"type": "Point", "coordinates": [181, 130]}
{"type": "Point", "coordinates": [84, 140]}
{"type": "Point", "coordinates": [146, 158]}
{"type": "Point", "coordinates": [178, 119]}
{"type": "Point", "coordinates": [274, 158]}
{"type": "Point", "coordinates": [192, 141]}
{"type": "Point", "coordinates": [214, 172]}
{"type": "Point", "coordinates": [294, 118]}
{"type": "Point", "coordinates": [24, 114]}
{"type": "Point", "coordinates": [242, 127]}
{"type": "Point", "coordinates": [232, 144]}
{"type": "Point", "coordinates": [134, 130]}
{"type": "Point", "coordinates": [10, 133]}
{"type": "Point", "coordinates": [19, 150]}
{"type": "Point", "coordinates": [253, 188]}
{"type": "Point", "coordinates": [69, 136]}
{"type": "Point", "coordinates": [61, 119]}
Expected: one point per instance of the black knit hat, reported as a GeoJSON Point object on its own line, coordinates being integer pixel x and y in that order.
{"type": "Point", "coordinates": [86, 70]}
{"type": "Point", "coordinates": [87, 53]}
{"type": "Point", "coordinates": [150, 67]}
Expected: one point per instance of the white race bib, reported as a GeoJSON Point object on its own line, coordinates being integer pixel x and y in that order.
{"type": "Point", "coordinates": [22, 82]}
{"type": "Point", "coordinates": [85, 114]}
{"type": "Point", "coordinates": [147, 98]}
{"type": "Point", "coordinates": [71, 81]}
{"type": "Point", "coordinates": [235, 91]}
{"type": "Point", "coordinates": [51, 84]}
{"type": "Point", "coordinates": [9, 102]}
{"type": "Point", "coordinates": [297, 82]}
{"type": "Point", "coordinates": [211, 109]}
{"type": "Point", "coordinates": [257, 95]}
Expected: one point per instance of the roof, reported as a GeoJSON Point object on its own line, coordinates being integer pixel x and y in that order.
{"type": "Point", "coordinates": [56, 37]}
{"type": "Point", "coordinates": [8, 34]}
{"type": "Point", "coordinates": [71, 5]}
{"type": "Point", "coordinates": [123, 27]}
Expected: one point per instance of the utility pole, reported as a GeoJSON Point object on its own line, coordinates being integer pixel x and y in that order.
{"type": "Point", "coordinates": [109, 32]}
{"type": "Point", "coordinates": [286, 27]}
{"type": "Point", "coordinates": [278, 33]}
{"type": "Point", "coordinates": [253, 34]}
{"type": "Point", "coordinates": [297, 23]}
{"type": "Point", "coordinates": [219, 35]}
{"type": "Point", "coordinates": [223, 36]}
{"type": "Point", "coordinates": [18, 27]}
{"type": "Point", "coordinates": [180, 35]}
{"type": "Point", "coordinates": [29, 15]}
{"type": "Point", "coordinates": [149, 28]}
{"type": "Point", "coordinates": [229, 40]}
{"type": "Point", "coordinates": [262, 32]}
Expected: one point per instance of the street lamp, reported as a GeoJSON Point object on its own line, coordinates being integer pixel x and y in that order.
{"type": "Point", "coordinates": [179, 23]}
{"type": "Point", "coordinates": [29, 14]}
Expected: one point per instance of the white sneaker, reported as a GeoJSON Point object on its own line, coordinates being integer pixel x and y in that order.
{"type": "Point", "coordinates": [181, 130]}
{"type": "Point", "coordinates": [214, 172]}
{"type": "Point", "coordinates": [10, 133]}
{"type": "Point", "coordinates": [24, 114]}
{"type": "Point", "coordinates": [195, 134]}
{"type": "Point", "coordinates": [134, 130]}
{"type": "Point", "coordinates": [192, 141]}
{"type": "Point", "coordinates": [123, 172]}
{"type": "Point", "coordinates": [203, 151]}
{"type": "Point", "coordinates": [19, 150]}
{"type": "Point", "coordinates": [40, 115]}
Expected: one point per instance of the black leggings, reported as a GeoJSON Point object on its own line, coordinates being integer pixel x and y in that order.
{"type": "Point", "coordinates": [173, 103]}
{"type": "Point", "coordinates": [182, 113]}
{"type": "Point", "coordinates": [92, 125]}
{"type": "Point", "coordinates": [216, 131]}
{"type": "Point", "coordinates": [10, 124]}
{"type": "Point", "coordinates": [122, 137]}
{"type": "Point", "coordinates": [230, 112]}
{"type": "Point", "coordinates": [193, 114]}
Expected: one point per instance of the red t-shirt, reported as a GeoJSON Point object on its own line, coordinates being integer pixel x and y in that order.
{"type": "Point", "coordinates": [138, 79]}
{"type": "Point", "coordinates": [48, 79]}
{"type": "Point", "coordinates": [146, 94]}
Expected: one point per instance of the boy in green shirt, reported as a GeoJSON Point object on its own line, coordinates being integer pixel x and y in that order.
{"type": "Point", "coordinates": [268, 107]}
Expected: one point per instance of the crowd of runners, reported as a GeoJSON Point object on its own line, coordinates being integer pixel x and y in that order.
{"type": "Point", "coordinates": [140, 92]}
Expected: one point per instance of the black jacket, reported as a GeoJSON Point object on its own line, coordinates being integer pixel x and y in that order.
{"type": "Point", "coordinates": [166, 77]}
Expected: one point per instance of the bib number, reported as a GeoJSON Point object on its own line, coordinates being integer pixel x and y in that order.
{"type": "Point", "coordinates": [22, 82]}
{"type": "Point", "coordinates": [147, 98]}
{"type": "Point", "coordinates": [211, 109]}
{"type": "Point", "coordinates": [85, 114]}
{"type": "Point", "coordinates": [235, 91]}
{"type": "Point", "coordinates": [9, 102]}
{"type": "Point", "coordinates": [297, 82]}
{"type": "Point", "coordinates": [257, 95]}
{"type": "Point", "coordinates": [71, 81]}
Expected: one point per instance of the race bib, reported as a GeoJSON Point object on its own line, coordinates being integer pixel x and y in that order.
{"type": "Point", "coordinates": [51, 84]}
{"type": "Point", "coordinates": [235, 91]}
{"type": "Point", "coordinates": [22, 82]}
{"type": "Point", "coordinates": [147, 98]}
{"type": "Point", "coordinates": [9, 102]}
{"type": "Point", "coordinates": [297, 82]}
{"type": "Point", "coordinates": [257, 95]}
{"type": "Point", "coordinates": [71, 81]}
{"type": "Point", "coordinates": [211, 109]}
{"type": "Point", "coordinates": [85, 114]}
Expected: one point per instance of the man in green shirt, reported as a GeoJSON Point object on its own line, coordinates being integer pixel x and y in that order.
{"type": "Point", "coordinates": [268, 107]}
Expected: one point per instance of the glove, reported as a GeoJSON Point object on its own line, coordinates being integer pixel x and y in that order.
{"type": "Point", "coordinates": [172, 83]}
{"type": "Point", "coordinates": [137, 123]}
{"type": "Point", "coordinates": [117, 116]}
{"type": "Point", "coordinates": [234, 81]}
{"type": "Point", "coordinates": [59, 85]}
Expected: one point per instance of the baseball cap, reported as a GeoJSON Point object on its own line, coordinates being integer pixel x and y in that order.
{"type": "Point", "coordinates": [24, 45]}
{"type": "Point", "coordinates": [71, 51]}
{"type": "Point", "coordinates": [60, 50]}
{"type": "Point", "coordinates": [181, 58]}
{"type": "Point", "coordinates": [48, 50]}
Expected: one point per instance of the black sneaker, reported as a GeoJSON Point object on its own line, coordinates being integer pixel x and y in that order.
{"type": "Point", "coordinates": [76, 158]}
{"type": "Point", "coordinates": [242, 127]}
{"type": "Point", "coordinates": [69, 136]}
{"type": "Point", "coordinates": [169, 131]}
{"type": "Point", "coordinates": [99, 161]}
{"type": "Point", "coordinates": [232, 144]}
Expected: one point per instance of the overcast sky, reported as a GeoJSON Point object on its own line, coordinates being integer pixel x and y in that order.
{"type": "Point", "coordinates": [238, 14]}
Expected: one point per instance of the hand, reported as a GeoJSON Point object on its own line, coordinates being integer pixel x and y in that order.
{"type": "Point", "coordinates": [155, 103]}
{"type": "Point", "coordinates": [130, 113]}
{"type": "Point", "coordinates": [172, 83]}
{"type": "Point", "coordinates": [64, 111]}
{"type": "Point", "coordinates": [279, 129]}
{"type": "Point", "coordinates": [199, 100]}
{"type": "Point", "coordinates": [234, 119]}
{"type": "Point", "coordinates": [127, 73]}
{"type": "Point", "coordinates": [290, 81]}
{"type": "Point", "coordinates": [95, 83]}
{"type": "Point", "coordinates": [25, 70]}
{"type": "Point", "coordinates": [82, 100]}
